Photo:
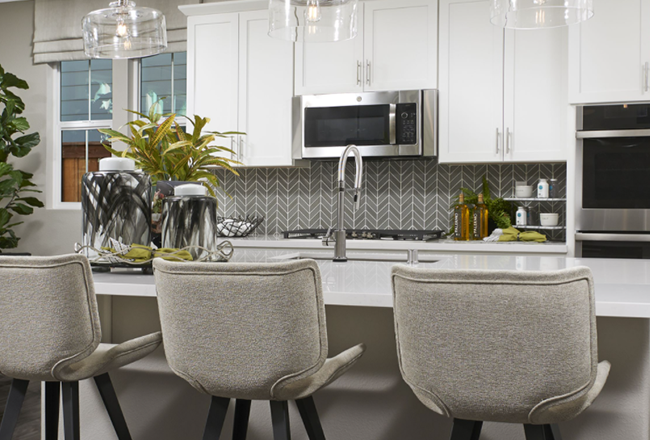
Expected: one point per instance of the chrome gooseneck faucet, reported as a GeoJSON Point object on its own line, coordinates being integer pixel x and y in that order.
{"type": "Point", "coordinates": [339, 234]}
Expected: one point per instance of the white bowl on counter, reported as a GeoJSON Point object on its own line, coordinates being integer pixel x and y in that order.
{"type": "Point", "coordinates": [548, 219]}
{"type": "Point", "coordinates": [524, 191]}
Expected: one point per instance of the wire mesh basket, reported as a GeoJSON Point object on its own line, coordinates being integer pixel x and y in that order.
{"type": "Point", "coordinates": [238, 226]}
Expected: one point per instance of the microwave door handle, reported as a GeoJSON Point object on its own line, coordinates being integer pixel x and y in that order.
{"type": "Point", "coordinates": [612, 134]}
{"type": "Point", "coordinates": [392, 124]}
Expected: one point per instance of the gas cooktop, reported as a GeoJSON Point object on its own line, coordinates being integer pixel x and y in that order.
{"type": "Point", "coordinates": [370, 234]}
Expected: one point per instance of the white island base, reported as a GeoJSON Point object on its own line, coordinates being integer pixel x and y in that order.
{"type": "Point", "coordinates": [371, 402]}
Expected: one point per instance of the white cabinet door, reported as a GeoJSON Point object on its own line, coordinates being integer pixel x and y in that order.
{"type": "Point", "coordinates": [536, 111]}
{"type": "Point", "coordinates": [608, 53]}
{"type": "Point", "coordinates": [212, 68]}
{"type": "Point", "coordinates": [331, 67]}
{"type": "Point", "coordinates": [471, 84]}
{"type": "Point", "coordinates": [265, 92]}
{"type": "Point", "coordinates": [400, 44]}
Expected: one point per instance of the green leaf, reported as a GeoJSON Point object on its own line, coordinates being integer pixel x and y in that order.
{"type": "Point", "coordinates": [5, 216]}
{"type": "Point", "coordinates": [25, 144]}
{"type": "Point", "coordinates": [11, 80]}
{"type": "Point", "coordinates": [22, 209]}
{"type": "Point", "coordinates": [31, 201]}
{"type": "Point", "coordinates": [20, 124]}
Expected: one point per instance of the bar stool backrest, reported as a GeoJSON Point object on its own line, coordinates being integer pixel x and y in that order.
{"type": "Point", "coordinates": [236, 330]}
{"type": "Point", "coordinates": [494, 345]}
{"type": "Point", "coordinates": [48, 315]}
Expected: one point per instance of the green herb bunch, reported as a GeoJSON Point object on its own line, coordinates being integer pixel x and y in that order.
{"type": "Point", "coordinates": [498, 209]}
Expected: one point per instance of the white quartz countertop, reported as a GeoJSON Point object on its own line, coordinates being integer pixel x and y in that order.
{"type": "Point", "coordinates": [622, 286]}
{"type": "Point", "coordinates": [443, 245]}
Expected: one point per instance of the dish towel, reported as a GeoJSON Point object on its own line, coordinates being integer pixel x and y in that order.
{"type": "Point", "coordinates": [512, 234]}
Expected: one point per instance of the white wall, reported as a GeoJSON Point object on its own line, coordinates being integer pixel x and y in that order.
{"type": "Point", "coordinates": [48, 231]}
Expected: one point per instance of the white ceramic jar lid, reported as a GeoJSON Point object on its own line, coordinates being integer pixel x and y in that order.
{"type": "Point", "coordinates": [190, 189]}
{"type": "Point", "coordinates": [116, 164]}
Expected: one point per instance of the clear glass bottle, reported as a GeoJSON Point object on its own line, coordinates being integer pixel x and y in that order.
{"type": "Point", "coordinates": [461, 220]}
{"type": "Point", "coordinates": [480, 229]}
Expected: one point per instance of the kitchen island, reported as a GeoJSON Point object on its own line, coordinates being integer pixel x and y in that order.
{"type": "Point", "coordinates": [371, 401]}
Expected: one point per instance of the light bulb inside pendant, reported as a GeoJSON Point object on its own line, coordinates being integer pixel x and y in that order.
{"type": "Point", "coordinates": [122, 31]}
{"type": "Point", "coordinates": [312, 14]}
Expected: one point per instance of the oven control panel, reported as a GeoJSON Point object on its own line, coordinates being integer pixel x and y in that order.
{"type": "Point", "coordinates": [407, 131]}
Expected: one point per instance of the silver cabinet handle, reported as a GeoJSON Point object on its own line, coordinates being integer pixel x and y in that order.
{"type": "Point", "coordinates": [646, 74]}
{"type": "Point", "coordinates": [241, 147]}
{"type": "Point", "coordinates": [232, 147]}
{"type": "Point", "coordinates": [359, 73]}
{"type": "Point", "coordinates": [368, 72]}
{"type": "Point", "coordinates": [508, 140]}
{"type": "Point", "coordinates": [498, 134]}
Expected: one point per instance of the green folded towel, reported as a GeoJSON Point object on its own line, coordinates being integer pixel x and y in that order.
{"type": "Point", "coordinates": [141, 254]}
{"type": "Point", "coordinates": [512, 234]}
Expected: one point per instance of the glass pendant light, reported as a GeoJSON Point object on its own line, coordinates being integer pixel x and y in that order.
{"type": "Point", "coordinates": [537, 14]}
{"type": "Point", "coordinates": [313, 21]}
{"type": "Point", "coordinates": [124, 31]}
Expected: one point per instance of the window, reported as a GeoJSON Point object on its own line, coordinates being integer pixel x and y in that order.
{"type": "Point", "coordinates": [84, 96]}
{"type": "Point", "coordinates": [86, 100]}
{"type": "Point", "coordinates": [164, 76]}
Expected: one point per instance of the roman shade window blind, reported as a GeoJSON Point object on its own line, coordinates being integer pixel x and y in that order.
{"type": "Point", "coordinates": [57, 26]}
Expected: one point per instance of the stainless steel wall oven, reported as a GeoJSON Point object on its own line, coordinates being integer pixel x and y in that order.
{"type": "Point", "coordinates": [613, 181]}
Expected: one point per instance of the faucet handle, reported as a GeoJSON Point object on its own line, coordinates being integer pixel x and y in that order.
{"type": "Point", "coordinates": [357, 200]}
{"type": "Point", "coordinates": [326, 238]}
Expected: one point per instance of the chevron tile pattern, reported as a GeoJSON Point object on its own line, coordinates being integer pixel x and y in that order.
{"type": "Point", "coordinates": [409, 194]}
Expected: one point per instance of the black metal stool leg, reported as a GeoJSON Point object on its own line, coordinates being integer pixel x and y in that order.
{"type": "Point", "coordinates": [242, 413]}
{"type": "Point", "coordinates": [12, 410]}
{"type": "Point", "coordinates": [216, 416]}
{"type": "Point", "coordinates": [106, 390]}
{"type": "Point", "coordinates": [309, 417]}
{"type": "Point", "coordinates": [554, 431]}
{"type": "Point", "coordinates": [466, 429]}
{"type": "Point", "coordinates": [70, 391]}
{"type": "Point", "coordinates": [52, 399]}
{"type": "Point", "coordinates": [541, 432]}
{"type": "Point", "coordinates": [280, 419]}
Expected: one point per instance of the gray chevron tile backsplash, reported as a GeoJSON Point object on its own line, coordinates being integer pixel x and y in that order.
{"type": "Point", "coordinates": [408, 194]}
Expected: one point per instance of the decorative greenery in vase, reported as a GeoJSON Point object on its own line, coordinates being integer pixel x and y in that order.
{"type": "Point", "coordinates": [166, 152]}
{"type": "Point", "coordinates": [14, 142]}
{"type": "Point", "coordinates": [498, 209]}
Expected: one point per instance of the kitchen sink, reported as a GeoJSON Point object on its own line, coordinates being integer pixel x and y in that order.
{"type": "Point", "coordinates": [385, 258]}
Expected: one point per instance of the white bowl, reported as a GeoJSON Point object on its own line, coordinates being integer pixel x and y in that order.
{"type": "Point", "coordinates": [548, 219]}
{"type": "Point", "coordinates": [524, 191]}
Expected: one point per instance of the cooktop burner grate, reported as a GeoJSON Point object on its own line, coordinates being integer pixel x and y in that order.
{"type": "Point", "coordinates": [370, 234]}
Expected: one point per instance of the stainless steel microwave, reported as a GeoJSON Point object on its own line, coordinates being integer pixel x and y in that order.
{"type": "Point", "coordinates": [380, 124]}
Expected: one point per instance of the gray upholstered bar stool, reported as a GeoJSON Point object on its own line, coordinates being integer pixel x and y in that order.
{"type": "Point", "coordinates": [50, 332]}
{"type": "Point", "coordinates": [249, 332]}
{"type": "Point", "coordinates": [500, 346]}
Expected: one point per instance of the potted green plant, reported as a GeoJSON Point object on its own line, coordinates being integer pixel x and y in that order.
{"type": "Point", "coordinates": [14, 142]}
{"type": "Point", "coordinates": [166, 152]}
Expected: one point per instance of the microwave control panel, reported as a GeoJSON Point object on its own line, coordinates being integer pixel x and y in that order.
{"type": "Point", "coordinates": [407, 132]}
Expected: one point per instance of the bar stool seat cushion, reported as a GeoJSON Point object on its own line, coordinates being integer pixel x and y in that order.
{"type": "Point", "coordinates": [108, 357]}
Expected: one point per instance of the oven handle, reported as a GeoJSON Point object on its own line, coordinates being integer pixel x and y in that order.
{"type": "Point", "coordinates": [612, 134]}
{"type": "Point", "coordinates": [392, 124]}
{"type": "Point", "coordinates": [585, 236]}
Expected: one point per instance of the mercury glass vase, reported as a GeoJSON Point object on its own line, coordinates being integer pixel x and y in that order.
{"type": "Point", "coordinates": [116, 204]}
{"type": "Point", "coordinates": [190, 221]}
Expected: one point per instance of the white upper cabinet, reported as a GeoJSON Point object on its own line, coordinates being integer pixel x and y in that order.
{"type": "Point", "coordinates": [330, 67]}
{"type": "Point", "coordinates": [471, 78]}
{"type": "Point", "coordinates": [400, 39]}
{"type": "Point", "coordinates": [265, 92]}
{"type": "Point", "coordinates": [502, 94]}
{"type": "Point", "coordinates": [610, 53]}
{"type": "Point", "coordinates": [213, 69]}
{"type": "Point", "coordinates": [536, 111]}
{"type": "Point", "coordinates": [395, 49]}
{"type": "Point", "coordinates": [242, 79]}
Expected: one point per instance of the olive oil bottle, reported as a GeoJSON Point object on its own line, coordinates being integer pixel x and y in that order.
{"type": "Point", "coordinates": [480, 227]}
{"type": "Point", "coordinates": [461, 220]}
